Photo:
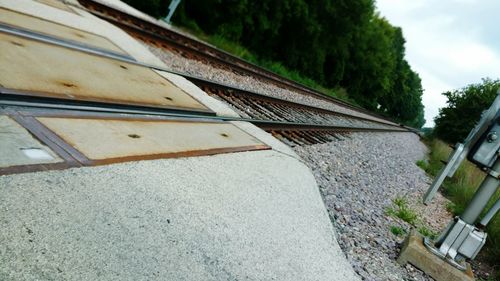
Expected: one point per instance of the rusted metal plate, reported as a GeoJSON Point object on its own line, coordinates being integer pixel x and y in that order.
{"type": "Point", "coordinates": [114, 140]}
{"type": "Point", "coordinates": [57, 30]}
{"type": "Point", "coordinates": [18, 147]}
{"type": "Point", "coordinates": [56, 4]}
{"type": "Point", "coordinates": [39, 69]}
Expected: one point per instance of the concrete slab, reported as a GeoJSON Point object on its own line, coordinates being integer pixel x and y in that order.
{"type": "Point", "coordinates": [18, 147]}
{"type": "Point", "coordinates": [240, 216]}
{"type": "Point", "coordinates": [415, 252]}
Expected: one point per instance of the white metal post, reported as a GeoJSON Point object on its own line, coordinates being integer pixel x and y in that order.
{"type": "Point", "coordinates": [171, 9]}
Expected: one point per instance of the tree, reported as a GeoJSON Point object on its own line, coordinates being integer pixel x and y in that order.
{"type": "Point", "coordinates": [378, 76]}
{"type": "Point", "coordinates": [463, 110]}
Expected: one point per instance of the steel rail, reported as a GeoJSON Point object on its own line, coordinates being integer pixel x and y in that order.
{"type": "Point", "coordinates": [154, 31]}
{"type": "Point", "coordinates": [82, 107]}
{"type": "Point", "coordinates": [223, 90]}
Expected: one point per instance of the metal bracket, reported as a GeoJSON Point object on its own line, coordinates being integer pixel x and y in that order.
{"type": "Point", "coordinates": [493, 173]}
{"type": "Point", "coordinates": [430, 246]}
{"type": "Point", "coordinates": [459, 241]}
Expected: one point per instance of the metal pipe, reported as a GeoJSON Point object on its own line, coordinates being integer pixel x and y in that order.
{"type": "Point", "coordinates": [490, 214]}
{"type": "Point", "coordinates": [171, 9]}
{"type": "Point", "coordinates": [482, 196]}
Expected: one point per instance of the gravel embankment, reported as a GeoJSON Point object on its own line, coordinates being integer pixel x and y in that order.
{"type": "Point", "coordinates": [359, 177]}
{"type": "Point", "coordinates": [181, 64]}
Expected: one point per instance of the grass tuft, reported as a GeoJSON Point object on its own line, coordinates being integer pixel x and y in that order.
{"type": "Point", "coordinates": [403, 211]}
{"type": "Point", "coordinates": [400, 209]}
{"type": "Point", "coordinates": [427, 232]}
{"type": "Point", "coordinates": [397, 230]}
{"type": "Point", "coordinates": [422, 164]}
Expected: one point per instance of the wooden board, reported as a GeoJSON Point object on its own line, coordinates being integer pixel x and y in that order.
{"type": "Point", "coordinates": [56, 30]}
{"type": "Point", "coordinates": [48, 70]}
{"type": "Point", "coordinates": [113, 140]}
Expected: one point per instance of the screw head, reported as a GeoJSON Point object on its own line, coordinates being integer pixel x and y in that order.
{"type": "Point", "coordinates": [492, 137]}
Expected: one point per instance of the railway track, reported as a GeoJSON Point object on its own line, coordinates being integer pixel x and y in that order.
{"type": "Point", "coordinates": [294, 123]}
{"type": "Point", "coordinates": [73, 97]}
{"type": "Point", "coordinates": [256, 106]}
{"type": "Point", "coordinates": [170, 40]}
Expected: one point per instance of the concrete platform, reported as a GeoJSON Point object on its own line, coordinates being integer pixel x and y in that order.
{"type": "Point", "coordinates": [241, 216]}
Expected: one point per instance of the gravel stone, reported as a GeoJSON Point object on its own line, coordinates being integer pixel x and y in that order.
{"type": "Point", "coordinates": [359, 176]}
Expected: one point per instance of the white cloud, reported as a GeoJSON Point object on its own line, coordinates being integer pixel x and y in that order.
{"type": "Point", "coordinates": [432, 97]}
{"type": "Point", "coordinates": [470, 56]}
{"type": "Point", "coordinates": [448, 44]}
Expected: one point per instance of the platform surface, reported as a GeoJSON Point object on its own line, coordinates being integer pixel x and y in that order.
{"type": "Point", "coordinates": [241, 216]}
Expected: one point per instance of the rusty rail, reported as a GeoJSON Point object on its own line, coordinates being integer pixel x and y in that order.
{"type": "Point", "coordinates": [261, 107]}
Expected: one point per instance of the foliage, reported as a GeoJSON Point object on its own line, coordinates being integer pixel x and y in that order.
{"type": "Point", "coordinates": [422, 164]}
{"type": "Point", "coordinates": [276, 67]}
{"type": "Point", "coordinates": [341, 44]}
{"type": "Point", "coordinates": [155, 8]}
{"type": "Point", "coordinates": [425, 231]}
{"type": "Point", "coordinates": [490, 278]}
{"type": "Point", "coordinates": [397, 230]}
{"type": "Point", "coordinates": [464, 108]}
{"type": "Point", "coordinates": [402, 211]}
{"type": "Point", "coordinates": [380, 78]}
{"type": "Point", "coordinates": [460, 189]}
{"type": "Point", "coordinates": [427, 132]}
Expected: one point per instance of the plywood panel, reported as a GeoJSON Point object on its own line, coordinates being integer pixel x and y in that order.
{"type": "Point", "coordinates": [55, 71]}
{"type": "Point", "coordinates": [56, 30]}
{"type": "Point", "coordinates": [100, 139]}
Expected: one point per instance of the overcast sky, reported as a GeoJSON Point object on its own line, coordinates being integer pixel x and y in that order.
{"type": "Point", "coordinates": [450, 43]}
